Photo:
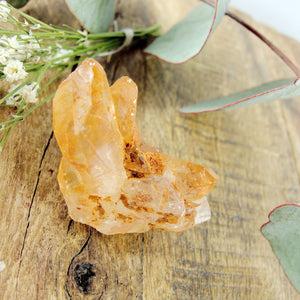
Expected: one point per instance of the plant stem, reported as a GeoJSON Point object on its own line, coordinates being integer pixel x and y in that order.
{"type": "Point", "coordinates": [274, 48]}
{"type": "Point", "coordinates": [2, 142]}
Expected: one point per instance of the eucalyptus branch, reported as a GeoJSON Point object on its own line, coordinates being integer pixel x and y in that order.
{"type": "Point", "coordinates": [274, 48]}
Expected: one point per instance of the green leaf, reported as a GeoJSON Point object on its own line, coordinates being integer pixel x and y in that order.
{"type": "Point", "coordinates": [186, 38]}
{"type": "Point", "coordinates": [17, 3]}
{"type": "Point", "coordinates": [94, 15]}
{"type": "Point", "coordinates": [283, 233]}
{"type": "Point", "coordinates": [280, 89]}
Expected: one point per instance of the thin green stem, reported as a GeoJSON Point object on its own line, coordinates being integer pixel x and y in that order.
{"type": "Point", "coordinates": [6, 122]}
{"type": "Point", "coordinates": [31, 109]}
{"type": "Point", "coordinates": [51, 80]}
{"type": "Point", "coordinates": [32, 19]}
{"type": "Point", "coordinates": [17, 88]}
{"type": "Point", "coordinates": [15, 122]}
{"type": "Point", "coordinates": [2, 143]}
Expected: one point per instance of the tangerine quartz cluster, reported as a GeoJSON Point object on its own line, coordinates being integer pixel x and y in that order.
{"type": "Point", "coordinates": [110, 179]}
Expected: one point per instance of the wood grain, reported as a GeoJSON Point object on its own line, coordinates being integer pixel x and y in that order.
{"type": "Point", "coordinates": [254, 150]}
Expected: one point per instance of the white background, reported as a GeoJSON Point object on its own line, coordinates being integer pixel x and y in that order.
{"type": "Point", "coordinates": [283, 15]}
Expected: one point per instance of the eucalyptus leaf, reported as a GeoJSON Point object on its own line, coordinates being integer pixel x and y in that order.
{"type": "Point", "coordinates": [283, 233]}
{"type": "Point", "coordinates": [280, 89]}
{"type": "Point", "coordinates": [94, 15]}
{"type": "Point", "coordinates": [186, 38]}
{"type": "Point", "coordinates": [17, 3]}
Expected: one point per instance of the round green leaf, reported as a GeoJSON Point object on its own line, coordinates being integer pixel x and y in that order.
{"type": "Point", "coordinates": [186, 38]}
{"type": "Point", "coordinates": [280, 89]}
{"type": "Point", "coordinates": [283, 233]}
{"type": "Point", "coordinates": [94, 15]}
{"type": "Point", "coordinates": [17, 3]}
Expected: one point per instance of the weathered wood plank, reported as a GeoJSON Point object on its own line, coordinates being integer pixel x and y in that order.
{"type": "Point", "coordinates": [254, 150]}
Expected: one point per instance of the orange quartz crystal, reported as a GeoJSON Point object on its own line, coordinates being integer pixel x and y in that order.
{"type": "Point", "coordinates": [109, 178]}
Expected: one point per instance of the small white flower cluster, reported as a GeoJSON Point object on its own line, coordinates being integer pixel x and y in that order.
{"type": "Point", "coordinates": [26, 93]}
{"type": "Point", "coordinates": [84, 40]}
{"type": "Point", "coordinates": [20, 48]}
{"type": "Point", "coordinates": [15, 51]}
{"type": "Point", "coordinates": [14, 70]}
{"type": "Point", "coordinates": [61, 52]}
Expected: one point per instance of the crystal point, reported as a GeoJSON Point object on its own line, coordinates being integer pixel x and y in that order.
{"type": "Point", "coordinates": [109, 178]}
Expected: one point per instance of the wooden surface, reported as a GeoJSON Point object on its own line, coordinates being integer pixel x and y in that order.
{"type": "Point", "coordinates": [255, 151]}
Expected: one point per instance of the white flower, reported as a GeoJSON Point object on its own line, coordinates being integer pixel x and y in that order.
{"type": "Point", "coordinates": [3, 41]}
{"type": "Point", "coordinates": [83, 32]}
{"type": "Point", "coordinates": [62, 52]}
{"type": "Point", "coordinates": [34, 45]}
{"type": "Point", "coordinates": [16, 116]}
{"type": "Point", "coordinates": [14, 70]}
{"type": "Point", "coordinates": [47, 50]}
{"type": "Point", "coordinates": [9, 49]}
{"type": "Point", "coordinates": [4, 11]}
{"type": "Point", "coordinates": [29, 46]}
{"type": "Point", "coordinates": [20, 48]}
{"type": "Point", "coordinates": [14, 99]}
{"type": "Point", "coordinates": [58, 45]}
{"type": "Point", "coordinates": [4, 55]}
{"type": "Point", "coordinates": [27, 93]}
{"type": "Point", "coordinates": [13, 42]}
{"type": "Point", "coordinates": [35, 26]}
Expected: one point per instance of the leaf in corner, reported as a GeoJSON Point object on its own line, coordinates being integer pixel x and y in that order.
{"type": "Point", "coordinates": [280, 89]}
{"type": "Point", "coordinates": [94, 15]}
{"type": "Point", "coordinates": [186, 38]}
{"type": "Point", "coordinates": [17, 3]}
{"type": "Point", "coordinates": [283, 233]}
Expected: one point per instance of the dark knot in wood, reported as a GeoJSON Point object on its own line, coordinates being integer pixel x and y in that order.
{"type": "Point", "coordinates": [83, 276]}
